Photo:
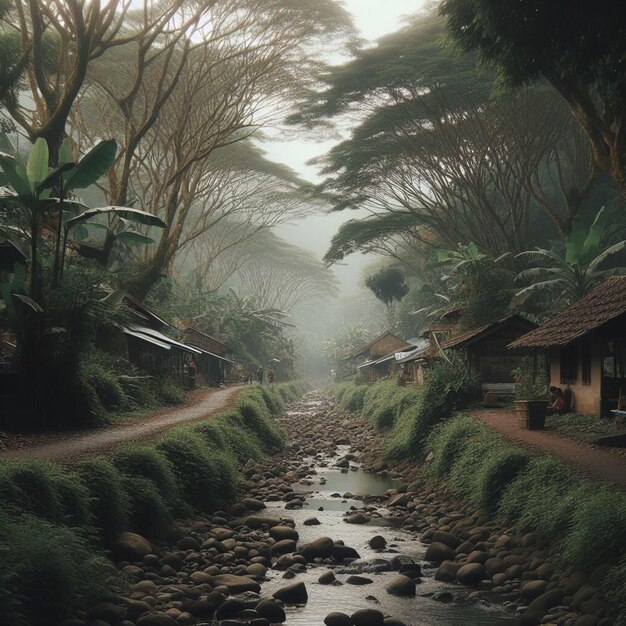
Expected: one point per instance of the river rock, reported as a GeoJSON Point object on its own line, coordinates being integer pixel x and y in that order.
{"type": "Point", "coordinates": [311, 521]}
{"type": "Point", "coordinates": [341, 552]}
{"type": "Point", "coordinates": [400, 499]}
{"type": "Point", "coordinates": [438, 552]}
{"type": "Point", "coordinates": [279, 533]}
{"type": "Point", "coordinates": [327, 578]}
{"type": "Point", "coordinates": [107, 612]}
{"type": "Point", "coordinates": [131, 547]}
{"type": "Point", "coordinates": [401, 585]}
{"type": "Point", "coordinates": [471, 574]}
{"type": "Point", "coordinates": [230, 608]}
{"type": "Point", "coordinates": [368, 617]}
{"type": "Point", "coordinates": [533, 589]}
{"type": "Point", "coordinates": [252, 504]}
{"type": "Point", "coordinates": [272, 611]}
{"type": "Point", "coordinates": [378, 542]}
{"type": "Point", "coordinates": [320, 548]}
{"type": "Point", "coordinates": [156, 619]}
{"type": "Point", "coordinates": [235, 584]}
{"type": "Point", "coordinates": [446, 538]}
{"type": "Point", "coordinates": [338, 619]}
{"type": "Point", "coordinates": [358, 580]}
{"type": "Point", "coordinates": [284, 546]}
{"type": "Point", "coordinates": [292, 594]}
{"type": "Point", "coordinates": [357, 518]}
{"type": "Point", "coordinates": [258, 521]}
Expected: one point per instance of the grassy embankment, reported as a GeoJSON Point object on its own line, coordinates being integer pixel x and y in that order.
{"type": "Point", "coordinates": [583, 523]}
{"type": "Point", "coordinates": [56, 520]}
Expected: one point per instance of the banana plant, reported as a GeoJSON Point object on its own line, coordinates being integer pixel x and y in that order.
{"type": "Point", "coordinates": [580, 269]}
{"type": "Point", "coordinates": [37, 188]}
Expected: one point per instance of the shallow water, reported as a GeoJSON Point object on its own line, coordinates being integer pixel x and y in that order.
{"type": "Point", "coordinates": [421, 610]}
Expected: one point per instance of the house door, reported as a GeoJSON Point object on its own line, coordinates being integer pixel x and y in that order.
{"type": "Point", "coordinates": [613, 385]}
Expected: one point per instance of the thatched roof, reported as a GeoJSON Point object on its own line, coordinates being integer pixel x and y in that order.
{"type": "Point", "coordinates": [598, 307]}
{"type": "Point", "coordinates": [468, 337]}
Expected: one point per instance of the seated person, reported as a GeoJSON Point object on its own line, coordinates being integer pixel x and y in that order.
{"type": "Point", "coordinates": [557, 401]}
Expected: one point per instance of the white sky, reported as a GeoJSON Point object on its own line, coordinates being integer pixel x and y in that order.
{"type": "Point", "coordinates": [373, 18]}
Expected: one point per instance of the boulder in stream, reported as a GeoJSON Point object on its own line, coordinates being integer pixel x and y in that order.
{"type": "Point", "coordinates": [292, 594]}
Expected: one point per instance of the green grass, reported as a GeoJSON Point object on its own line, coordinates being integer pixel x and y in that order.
{"type": "Point", "coordinates": [149, 514]}
{"type": "Point", "coordinates": [584, 522]}
{"type": "Point", "coordinates": [48, 572]}
{"type": "Point", "coordinates": [577, 426]}
{"type": "Point", "coordinates": [110, 505]}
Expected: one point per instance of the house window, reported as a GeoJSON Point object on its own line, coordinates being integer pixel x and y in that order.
{"type": "Point", "coordinates": [585, 357]}
{"type": "Point", "coordinates": [569, 365]}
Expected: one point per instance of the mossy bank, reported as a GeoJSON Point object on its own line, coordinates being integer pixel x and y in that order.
{"type": "Point", "coordinates": [557, 537]}
{"type": "Point", "coordinates": [57, 523]}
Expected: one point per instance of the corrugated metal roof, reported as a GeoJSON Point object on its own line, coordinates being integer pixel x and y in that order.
{"type": "Point", "coordinates": [598, 307]}
{"type": "Point", "coordinates": [469, 336]}
{"type": "Point", "coordinates": [217, 356]}
{"type": "Point", "coordinates": [147, 339]}
{"type": "Point", "coordinates": [155, 334]}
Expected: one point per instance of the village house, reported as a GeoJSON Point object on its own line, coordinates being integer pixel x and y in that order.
{"type": "Point", "coordinates": [586, 349]}
{"type": "Point", "coordinates": [374, 360]}
{"type": "Point", "coordinates": [487, 354]}
{"type": "Point", "coordinates": [213, 367]}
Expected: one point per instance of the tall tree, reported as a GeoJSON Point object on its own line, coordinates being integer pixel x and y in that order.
{"type": "Point", "coordinates": [578, 47]}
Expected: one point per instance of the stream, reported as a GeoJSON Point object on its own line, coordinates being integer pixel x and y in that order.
{"type": "Point", "coordinates": [321, 488]}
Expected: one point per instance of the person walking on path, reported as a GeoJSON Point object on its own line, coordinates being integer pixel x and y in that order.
{"type": "Point", "coordinates": [259, 374]}
{"type": "Point", "coordinates": [271, 376]}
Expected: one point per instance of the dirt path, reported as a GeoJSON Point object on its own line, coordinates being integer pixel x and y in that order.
{"type": "Point", "coordinates": [75, 446]}
{"type": "Point", "coordinates": [592, 460]}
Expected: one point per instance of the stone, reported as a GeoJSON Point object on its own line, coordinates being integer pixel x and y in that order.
{"type": "Point", "coordinates": [319, 548]}
{"type": "Point", "coordinates": [279, 533]}
{"type": "Point", "coordinates": [258, 521]}
{"type": "Point", "coordinates": [341, 552]}
{"type": "Point", "coordinates": [400, 499]}
{"type": "Point", "coordinates": [446, 538]}
{"type": "Point", "coordinates": [107, 612]}
{"type": "Point", "coordinates": [235, 584]}
{"type": "Point", "coordinates": [443, 596]}
{"type": "Point", "coordinates": [438, 552]}
{"type": "Point", "coordinates": [292, 594]}
{"type": "Point", "coordinates": [495, 566]}
{"type": "Point", "coordinates": [136, 608]}
{"type": "Point", "coordinates": [256, 569]}
{"type": "Point", "coordinates": [378, 542]}
{"type": "Point", "coordinates": [357, 518]}
{"type": "Point", "coordinates": [401, 585]}
{"type": "Point", "coordinates": [156, 619]}
{"type": "Point", "coordinates": [311, 521]}
{"type": "Point", "coordinates": [447, 571]}
{"type": "Point", "coordinates": [252, 504]}
{"type": "Point", "coordinates": [131, 547]}
{"type": "Point", "coordinates": [338, 619]}
{"type": "Point", "coordinates": [284, 546]}
{"type": "Point", "coordinates": [189, 543]}
{"type": "Point", "coordinates": [327, 578]}
{"type": "Point", "coordinates": [533, 589]}
{"type": "Point", "coordinates": [471, 574]}
{"type": "Point", "coordinates": [358, 580]}
{"type": "Point", "coordinates": [230, 608]}
{"type": "Point", "coordinates": [272, 611]}
{"type": "Point", "coordinates": [587, 620]}
{"type": "Point", "coordinates": [368, 617]}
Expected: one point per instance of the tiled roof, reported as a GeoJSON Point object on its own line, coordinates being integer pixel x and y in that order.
{"type": "Point", "coordinates": [599, 306]}
{"type": "Point", "coordinates": [462, 339]}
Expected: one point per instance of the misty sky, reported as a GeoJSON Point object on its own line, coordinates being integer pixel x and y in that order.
{"type": "Point", "coordinates": [373, 18]}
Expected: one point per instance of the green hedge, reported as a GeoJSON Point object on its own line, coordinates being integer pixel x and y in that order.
{"type": "Point", "coordinates": [585, 522]}
{"type": "Point", "coordinates": [53, 515]}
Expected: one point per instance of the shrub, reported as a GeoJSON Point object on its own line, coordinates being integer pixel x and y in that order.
{"type": "Point", "coordinates": [206, 476]}
{"type": "Point", "coordinates": [615, 589]}
{"type": "Point", "coordinates": [272, 400]}
{"type": "Point", "coordinates": [354, 398]}
{"type": "Point", "coordinates": [106, 385]}
{"type": "Point", "coordinates": [498, 470]}
{"type": "Point", "coordinates": [74, 497]}
{"type": "Point", "coordinates": [259, 422]}
{"type": "Point", "coordinates": [598, 529]}
{"type": "Point", "coordinates": [30, 486]}
{"type": "Point", "coordinates": [109, 502]}
{"type": "Point", "coordinates": [170, 392]}
{"type": "Point", "coordinates": [542, 498]}
{"type": "Point", "coordinates": [227, 432]}
{"type": "Point", "coordinates": [150, 515]}
{"type": "Point", "coordinates": [47, 572]}
{"type": "Point", "coordinates": [447, 441]}
{"type": "Point", "coordinates": [147, 463]}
